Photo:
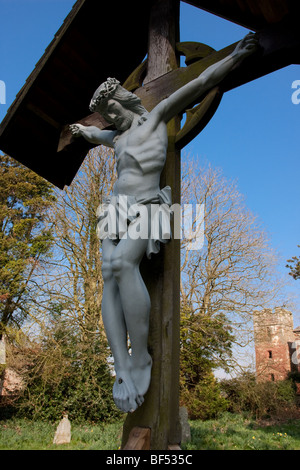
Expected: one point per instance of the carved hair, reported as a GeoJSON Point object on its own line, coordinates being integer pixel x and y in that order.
{"type": "Point", "coordinates": [111, 89]}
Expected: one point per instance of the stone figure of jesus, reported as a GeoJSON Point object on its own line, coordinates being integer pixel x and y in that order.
{"type": "Point", "coordinates": [140, 142]}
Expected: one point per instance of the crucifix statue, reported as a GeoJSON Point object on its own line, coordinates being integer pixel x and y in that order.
{"type": "Point", "coordinates": [140, 142]}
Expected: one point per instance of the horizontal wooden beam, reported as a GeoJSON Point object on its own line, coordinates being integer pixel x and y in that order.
{"type": "Point", "coordinates": [279, 47]}
{"type": "Point", "coordinates": [94, 119]}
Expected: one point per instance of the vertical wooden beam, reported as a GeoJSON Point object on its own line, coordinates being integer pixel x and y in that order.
{"type": "Point", "coordinates": [160, 411]}
{"type": "Point", "coordinates": [162, 38]}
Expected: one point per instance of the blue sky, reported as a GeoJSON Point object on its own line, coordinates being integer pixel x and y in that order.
{"type": "Point", "coordinates": [253, 136]}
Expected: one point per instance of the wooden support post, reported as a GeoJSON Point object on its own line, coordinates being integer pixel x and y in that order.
{"type": "Point", "coordinates": [139, 439]}
{"type": "Point", "coordinates": [160, 410]}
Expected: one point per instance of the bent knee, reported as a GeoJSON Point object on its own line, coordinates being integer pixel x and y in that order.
{"type": "Point", "coordinates": [120, 265]}
{"type": "Point", "coordinates": [107, 271]}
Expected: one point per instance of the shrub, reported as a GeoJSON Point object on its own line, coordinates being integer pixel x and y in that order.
{"type": "Point", "coordinates": [204, 400]}
{"type": "Point", "coordinates": [79, 384]}
{"type": "Point", "coordinates": [244, 394]}
{"type": "Point", "coordinates": [64, 373]}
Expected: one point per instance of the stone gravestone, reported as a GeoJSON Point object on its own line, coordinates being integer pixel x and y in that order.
{"type": "Point", "coordinates": [185, 427]}
{"type": "Point", "coordinates": [63, 432]}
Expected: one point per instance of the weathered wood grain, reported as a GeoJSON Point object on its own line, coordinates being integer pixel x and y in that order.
{"type": "Point", "coordinates": [139, 439]}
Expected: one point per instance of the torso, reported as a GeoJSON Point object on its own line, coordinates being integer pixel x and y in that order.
{"type": "Point", "coordinates": [141, 154]}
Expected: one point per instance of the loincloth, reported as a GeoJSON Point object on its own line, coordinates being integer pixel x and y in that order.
{"type": "Point", "coordinates": [118, 215]}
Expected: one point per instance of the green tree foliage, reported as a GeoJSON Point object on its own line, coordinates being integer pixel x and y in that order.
{"type": "Point", "coordinates": [205, 345]}
{"type": "Point", "coordinates": [294, 266]}
{"type": "Point", "coordinates": [204, 400]}
{"type": "Point", "coordinates": [25, 240]}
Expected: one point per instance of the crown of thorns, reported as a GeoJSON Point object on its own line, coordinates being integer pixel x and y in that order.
{"type": "Point", "coordinates": [106, 89]}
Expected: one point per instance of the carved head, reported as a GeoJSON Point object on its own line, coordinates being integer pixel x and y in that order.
{"type": "Point", "coordinates": [111, 89]}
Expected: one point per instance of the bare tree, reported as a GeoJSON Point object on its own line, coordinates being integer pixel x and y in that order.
{"type": "Point", "coordinates": [234, 273]}
{"type": "Point", "coordinates": [73, 281]}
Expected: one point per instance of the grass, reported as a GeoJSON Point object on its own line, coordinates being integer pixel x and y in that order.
{"type": "Point", "coordinates": [236, 432]}
{"type": "Point", "coordinates": [230, 432]}
{"type": "Point", "coordinates": [21, 434]}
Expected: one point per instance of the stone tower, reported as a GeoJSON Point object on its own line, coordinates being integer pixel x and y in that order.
{"type": "Point", "coordinates": [277, 344]}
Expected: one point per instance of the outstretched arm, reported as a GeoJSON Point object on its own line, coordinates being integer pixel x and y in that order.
{"type": "Point", "coordinates": [93, 134]}
{"type": "Point", "coordinates": [213, 75]}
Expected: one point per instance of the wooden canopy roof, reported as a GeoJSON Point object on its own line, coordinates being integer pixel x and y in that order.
{"type": "Point", "coordinates": [96, 40]}
{"type": "Point", "coordinates": [91, 45]}
{"type": "Point", "coordinates": [252, 14]}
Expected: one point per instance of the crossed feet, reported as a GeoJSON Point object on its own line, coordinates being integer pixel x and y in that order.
{"type": "Point", "coordinates": [131, 384]}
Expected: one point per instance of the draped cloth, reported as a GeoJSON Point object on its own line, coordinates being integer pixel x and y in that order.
{"type": "Point", "coordinates": [120, 215]}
